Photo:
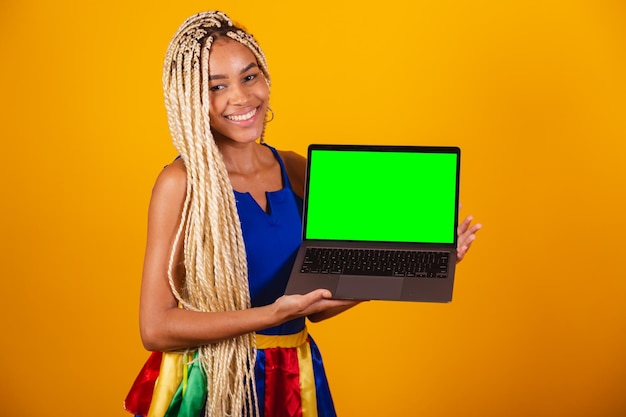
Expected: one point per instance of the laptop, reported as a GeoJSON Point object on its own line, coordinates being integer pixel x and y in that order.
{"type": "Point", "coordinates": [379, 222]}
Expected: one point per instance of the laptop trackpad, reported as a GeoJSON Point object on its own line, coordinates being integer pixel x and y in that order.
{"type": "Point", "coordinates": [360, 287]}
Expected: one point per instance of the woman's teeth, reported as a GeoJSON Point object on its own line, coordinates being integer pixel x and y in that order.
{"type": "Point", "coordinates": [242, 117]}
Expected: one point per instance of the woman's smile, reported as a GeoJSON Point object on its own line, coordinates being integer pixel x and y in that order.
{"type": "Point", "coordinates": [242, 117]}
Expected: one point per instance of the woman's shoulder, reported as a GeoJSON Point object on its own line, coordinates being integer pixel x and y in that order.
{"type": "Point", "coordinates": [167, 200]}
{"type": "Point", "coordinates": [172, 179]}
{"type": "Point", "coordinates": [293, 159]}
{"type": "Point", "coordinates": [295, 165]}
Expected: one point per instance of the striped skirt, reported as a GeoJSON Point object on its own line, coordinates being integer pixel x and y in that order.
{"type": "Point", "coordinates": [289, 373]}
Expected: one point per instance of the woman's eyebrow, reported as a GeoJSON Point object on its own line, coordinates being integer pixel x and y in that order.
{"type": "Point", "coordinates": [249, 67]}
{"type": "Point", "coordinates": [222, 77]}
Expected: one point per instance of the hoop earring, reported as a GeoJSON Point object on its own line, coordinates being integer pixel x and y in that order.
{"type": "Point", "coordinates": [272, 112]}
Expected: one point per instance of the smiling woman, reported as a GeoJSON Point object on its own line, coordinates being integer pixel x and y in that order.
{"type": "Point", "coordinates": [216, 266]}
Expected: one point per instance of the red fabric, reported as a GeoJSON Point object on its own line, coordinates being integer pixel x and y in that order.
{"type": "Point", "coordinates": [282, 383]}
{"type": "Point", "coordinates": [140, 395]}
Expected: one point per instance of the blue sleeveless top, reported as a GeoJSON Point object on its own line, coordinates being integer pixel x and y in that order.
{"type": "Point", "coordinates": [271, 239]}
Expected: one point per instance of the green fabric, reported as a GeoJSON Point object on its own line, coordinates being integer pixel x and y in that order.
{"type": "Point", "coordinates": [192, 401]}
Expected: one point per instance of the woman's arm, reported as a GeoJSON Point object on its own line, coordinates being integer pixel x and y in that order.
{"type": "Point", "coordinates": [163, 325]}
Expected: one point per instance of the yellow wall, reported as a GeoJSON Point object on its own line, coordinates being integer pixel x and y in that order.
{"type": "Point", "coordinates": [534, 92]}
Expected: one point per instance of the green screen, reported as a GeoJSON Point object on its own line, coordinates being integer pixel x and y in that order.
{"type": "Point", "coordinates": [382, 196]}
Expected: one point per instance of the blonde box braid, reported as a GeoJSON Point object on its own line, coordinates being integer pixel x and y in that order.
{"type": "Point", "coordinates": [216, 277]}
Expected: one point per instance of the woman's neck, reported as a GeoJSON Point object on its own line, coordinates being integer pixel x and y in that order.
{"type": "Point", "coordinates": [243, 158]}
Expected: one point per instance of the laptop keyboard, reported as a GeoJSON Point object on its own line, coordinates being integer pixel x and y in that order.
{"type": "Point", "coordinates": [393, 263]}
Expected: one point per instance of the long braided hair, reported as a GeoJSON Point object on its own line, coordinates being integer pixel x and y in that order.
{"type": "Point", "coordinates": [216, 277]}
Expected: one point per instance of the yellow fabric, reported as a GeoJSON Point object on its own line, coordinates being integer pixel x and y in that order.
{"type": "Point", "coordinates": [281, 341]}
{"type": "Point", "coordinates": [167, 383]}
{"type": "Point", "coordinates": [187, 358]}
{"type": "Point", "coordinates": [307, 381]}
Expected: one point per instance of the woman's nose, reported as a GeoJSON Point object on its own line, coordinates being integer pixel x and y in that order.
{"type": "Point", "coordinates": [238, 94]}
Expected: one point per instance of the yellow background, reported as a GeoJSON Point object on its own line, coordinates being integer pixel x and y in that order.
{"type": "Point", "coordinates": [534, 93]}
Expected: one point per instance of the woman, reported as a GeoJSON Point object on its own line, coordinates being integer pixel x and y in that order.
{"type": "Point", "coordinates": [224, 225]}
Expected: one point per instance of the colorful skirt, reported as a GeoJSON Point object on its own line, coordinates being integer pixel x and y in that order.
{"type": "Point", "coordinates": [289, 373]}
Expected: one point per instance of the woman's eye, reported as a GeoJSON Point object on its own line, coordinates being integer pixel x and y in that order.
{"type": "Point", "coordinates": [217, 87]}
{"type": "Point", "coordinates": [250, 77]}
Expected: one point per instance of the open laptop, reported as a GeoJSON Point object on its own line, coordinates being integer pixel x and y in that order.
{"type": "Point", "coordinates": [368, 210]}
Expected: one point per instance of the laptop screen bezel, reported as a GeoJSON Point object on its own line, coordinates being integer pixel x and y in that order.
{"type": "Point", "coordinates": [382, 148]}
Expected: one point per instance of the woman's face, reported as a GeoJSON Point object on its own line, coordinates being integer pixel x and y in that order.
{"type": "Point", "coordinates": [238, 93]}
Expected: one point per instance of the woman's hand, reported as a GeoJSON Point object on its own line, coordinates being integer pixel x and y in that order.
{"type": "Point", "coordinates": [466, 233]}
{"type": "Point", "coordinates": [317, 305]}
